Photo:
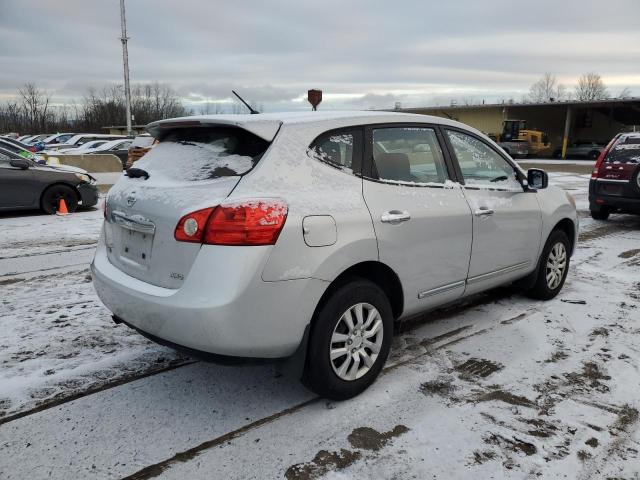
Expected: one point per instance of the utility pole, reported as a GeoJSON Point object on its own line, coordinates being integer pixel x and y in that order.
{"type": "Point", "coordinates": [125, 61]}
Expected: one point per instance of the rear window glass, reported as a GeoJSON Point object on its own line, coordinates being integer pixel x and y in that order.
{"type": "Point", "coordinates": [625, 151]}
{"type": "Point", "coordinates": [142, 141]}
{"type": "Point", "coordinates": [197, 154]}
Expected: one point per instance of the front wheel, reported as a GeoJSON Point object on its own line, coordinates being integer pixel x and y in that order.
{"type": "Point", "coordinates": [553, 267]}
{"type": "Point", "coordinates": [350, 340]}
{"type": "Point", "coordinates": [51, 199]}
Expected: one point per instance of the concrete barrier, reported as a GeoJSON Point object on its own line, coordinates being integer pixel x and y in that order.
{"type": "Point", "coordinates": [96, 163]}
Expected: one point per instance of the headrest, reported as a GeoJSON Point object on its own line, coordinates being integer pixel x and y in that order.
{"type": "Point", "coordinates": [393, 166]}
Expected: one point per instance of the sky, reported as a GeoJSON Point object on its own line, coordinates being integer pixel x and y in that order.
{"type": "Point", "coordinates": [362, 54]}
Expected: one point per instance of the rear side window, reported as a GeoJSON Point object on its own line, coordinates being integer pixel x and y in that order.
{"type": "Point", "coordinates": [204, 153]}
{"type": "Point", "coordinates": [626, 150]}
{"type": "Point", "coordinates": [408, 154]}
{"type": "Point", "coordinates": [336, 148]}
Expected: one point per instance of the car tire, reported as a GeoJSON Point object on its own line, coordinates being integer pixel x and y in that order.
{"type": "Point", "coordinates": [330, 332]}
{"type": "Point", "coordinates": [635, 179]}
{"type": "Point", "coordinates": [553, 267]}
{"type": "Point", "coordinates": [593, 155]}
{"type": "Point", "coordinates": [52, 195]}
{"type": "Point", "coordinates": [600, 215]}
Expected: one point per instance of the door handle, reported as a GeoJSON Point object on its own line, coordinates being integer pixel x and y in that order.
{"type": "Point", "coordinates": [395, 217]}
{"type": "Point", "coordinates": [483, 211]}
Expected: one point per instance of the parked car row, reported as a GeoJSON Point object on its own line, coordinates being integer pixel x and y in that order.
{"type": "Point", "coordinates": [127, 149]}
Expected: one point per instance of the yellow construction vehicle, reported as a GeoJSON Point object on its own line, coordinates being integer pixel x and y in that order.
{"type": "Point", "coordinates": [516, 131]}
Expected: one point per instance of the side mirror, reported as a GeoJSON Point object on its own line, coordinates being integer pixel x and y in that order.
{"type": "Point", "coordinates": [537, 179]}
{"type": "Point", "coordinates": [19, 163]}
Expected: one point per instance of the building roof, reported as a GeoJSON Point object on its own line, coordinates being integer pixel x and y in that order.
{"type": "Point", "coordinates": [562, 103]}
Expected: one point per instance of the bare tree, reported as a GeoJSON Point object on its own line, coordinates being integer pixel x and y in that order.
{"type": "Point", "coordinates": [591, 87]}
{"type": "Point", "coordinates": [625, 92]}
{"type": "Point", "coordinates": [35, 105]}
{"type": "Point", "coordinates": [547, 88]}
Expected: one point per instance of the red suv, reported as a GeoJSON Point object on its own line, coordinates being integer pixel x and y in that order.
{"type": "Point", "coordinates": [615, 180]}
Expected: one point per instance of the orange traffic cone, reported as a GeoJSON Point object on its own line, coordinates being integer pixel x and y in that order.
{"type": "Point", "coordinates": [62, 208]}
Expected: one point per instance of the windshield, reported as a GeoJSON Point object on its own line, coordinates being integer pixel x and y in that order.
{"type": "Point", "coordinates": [197, 154]}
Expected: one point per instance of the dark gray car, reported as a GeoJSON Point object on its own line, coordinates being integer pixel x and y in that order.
{"type": "Point", "coordinates": [25, 185]}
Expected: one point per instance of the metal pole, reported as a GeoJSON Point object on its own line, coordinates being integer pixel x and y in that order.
{"type": "Point", "coordinates": [567, 128]}
{"type": "Point", "coordinates": [125, 61]}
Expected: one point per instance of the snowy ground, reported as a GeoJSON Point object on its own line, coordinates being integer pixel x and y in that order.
{"type": "Point", "coordinates": [500, 387]}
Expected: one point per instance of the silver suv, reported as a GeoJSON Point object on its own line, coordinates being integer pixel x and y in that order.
{"type": "Point", "coordinates": [307, 236]}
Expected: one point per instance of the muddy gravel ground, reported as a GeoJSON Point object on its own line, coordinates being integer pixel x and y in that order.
{"type": "Point", "coordinates": [497, 387]}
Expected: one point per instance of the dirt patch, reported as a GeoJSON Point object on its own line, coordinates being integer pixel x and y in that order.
{"type": "Point", "coordinates": [541, 428]}
{"type": "Point", "coordinates": [440, 386]}
{"type": "Point", "coordinates": [603, 332]}
{"type": "Point", "coordinates": [592, 442]}
{"type": "Point", "coordinates": [506, 397]}
{"type": "Point", "coordinates": [514, 444]}
{"type": "Point", "coordinates": [478, 367]}
{"type": "Point", "coordinates": [627, 417]}
{"type": "Point", "coordinates": [9, 281]}
{"type": "Point", "coordinates": [480, 457]}
{"type": "Point", "coordinates": [557, 356]}
{"type": "Point", "coordinates": [322, 463]}
{"type": "Point", "coordinates": [583, 455]}
{"type": "Point", "coordinates": [367, 438]}
{"type": "Point", "coordinates": [630, 253]}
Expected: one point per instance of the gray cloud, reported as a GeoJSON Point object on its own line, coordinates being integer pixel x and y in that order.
{"type": "Point", "coordinates": [361, 53]}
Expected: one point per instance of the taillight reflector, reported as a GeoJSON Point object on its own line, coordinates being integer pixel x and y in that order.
{"type": "Point", "coordinates": [191, 227]}
{"type": "Point", "coordinates": [252, 222]}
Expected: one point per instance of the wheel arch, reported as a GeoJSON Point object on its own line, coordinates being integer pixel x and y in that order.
{"type": "Point", "coordinates": [567, 226]}
{"type": "Point", "coordinates": [59, 183]}
{"type": "Point", "coordinates": [377, 272]}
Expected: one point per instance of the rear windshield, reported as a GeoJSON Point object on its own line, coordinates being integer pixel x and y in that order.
{"type": "Point", "coordinates": [625, 151]}
{"type": "Point", "coordinates": [142, 141]}
{"type": "Point", "coordinates": [201, 153]}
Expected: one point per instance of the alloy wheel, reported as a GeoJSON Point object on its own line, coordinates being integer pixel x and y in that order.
{"type": "Point", "coordinates": [556, 265]}
{"type": "Point", "coordinates": [356, 341]}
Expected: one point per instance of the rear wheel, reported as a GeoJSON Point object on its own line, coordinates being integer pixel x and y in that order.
{"type": "Point", "coordinates": [600, 215]}
{"type": "Point", "coordinates": [552, 267]}
{"type": "Point", "coordinates": [51, 198]}
{"type": "Point", "coordinates": [350, 341]}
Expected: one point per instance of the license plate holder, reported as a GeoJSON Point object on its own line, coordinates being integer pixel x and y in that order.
{"type": "Point", "coordinates": [136, 246]}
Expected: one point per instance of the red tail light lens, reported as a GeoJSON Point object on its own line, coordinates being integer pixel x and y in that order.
{"type": "Point", "coordinates": [602, 156]}
{"type": "Point", "coordinates": [253, 222]}
{"type": "Point", "coordinates": [257, 222]}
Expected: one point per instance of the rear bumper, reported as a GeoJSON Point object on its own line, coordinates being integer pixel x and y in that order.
{"type": "Point", "coordinates": [88, 194]}
{"type": "Point", "coordinates": [626, 199]}
{"type": "Point", "coordinates": [232, 313]}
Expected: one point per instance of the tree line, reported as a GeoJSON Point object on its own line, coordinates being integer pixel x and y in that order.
{"type": "Point", "coordinates": [590, 87]}
{"type": "Point", "coordinates": [32, 111]}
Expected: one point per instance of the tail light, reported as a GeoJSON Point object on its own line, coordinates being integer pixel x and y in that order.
{"type": "Point", "coordinates": [602, 156]}
{"type": "Point", "coordinates": [252, 222]}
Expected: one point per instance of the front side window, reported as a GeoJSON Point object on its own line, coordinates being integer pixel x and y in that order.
{"type": "Point", "coordinates": [481, 165]}
{"type": "Point", "coordinates": [409, 155]}
{"type": "Point", "coordinates": [335, 148]}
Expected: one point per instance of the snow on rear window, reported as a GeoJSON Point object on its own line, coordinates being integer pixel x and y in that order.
{"type": "Point", "coordinates": [627, 152]}
{"type": "Point", "coordinates": [198, 154]}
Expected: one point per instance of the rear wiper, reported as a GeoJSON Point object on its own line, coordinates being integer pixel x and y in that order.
{"type": "Point", "coordinates": [137, 173]}
{"type": "Point", "coordinates": [501, 178]}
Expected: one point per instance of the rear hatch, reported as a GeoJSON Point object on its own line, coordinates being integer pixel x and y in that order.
{"type": "Point", "coordinates": [190, 169]}
{"type": "Point", "coordinates": [619, 166]}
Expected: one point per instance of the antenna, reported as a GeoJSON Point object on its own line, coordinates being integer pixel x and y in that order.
{"type": "Point", "coordinates": [253, 112]}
